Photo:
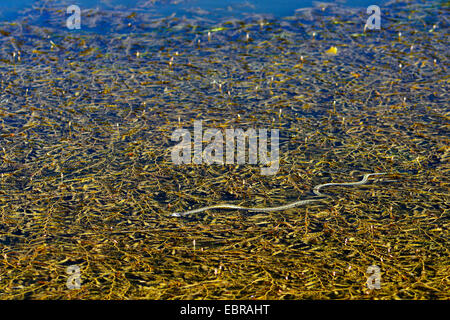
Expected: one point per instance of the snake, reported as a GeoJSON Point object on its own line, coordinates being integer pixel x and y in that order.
{"type": "Point", "coordinates": [316, 191]}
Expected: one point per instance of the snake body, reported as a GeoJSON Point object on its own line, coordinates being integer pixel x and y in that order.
{"type": "Point", "coordinates": [316, 191]}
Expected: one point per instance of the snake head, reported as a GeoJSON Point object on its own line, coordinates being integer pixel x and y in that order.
{"type": "Point", "coordinates": [175, 214]}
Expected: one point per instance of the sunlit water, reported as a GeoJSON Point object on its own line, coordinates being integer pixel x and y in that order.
{"type": "Point", "coordinates": [87, 179]}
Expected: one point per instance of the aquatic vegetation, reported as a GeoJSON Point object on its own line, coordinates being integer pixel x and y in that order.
{"type": "Point", "coordinates": [86, 176]}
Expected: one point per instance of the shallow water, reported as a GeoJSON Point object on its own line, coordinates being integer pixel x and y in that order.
{"type": "Point", "coordinates": [88, 177]}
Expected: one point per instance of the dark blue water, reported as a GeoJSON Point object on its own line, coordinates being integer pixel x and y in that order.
{"type": "Point", "coordinates": [9, 10]}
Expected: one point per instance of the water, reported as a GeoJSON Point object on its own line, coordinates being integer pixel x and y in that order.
{"type": "Point", "coordinates": [9, 10]}
{"type": "Point", "coordinates": [88, 181]}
